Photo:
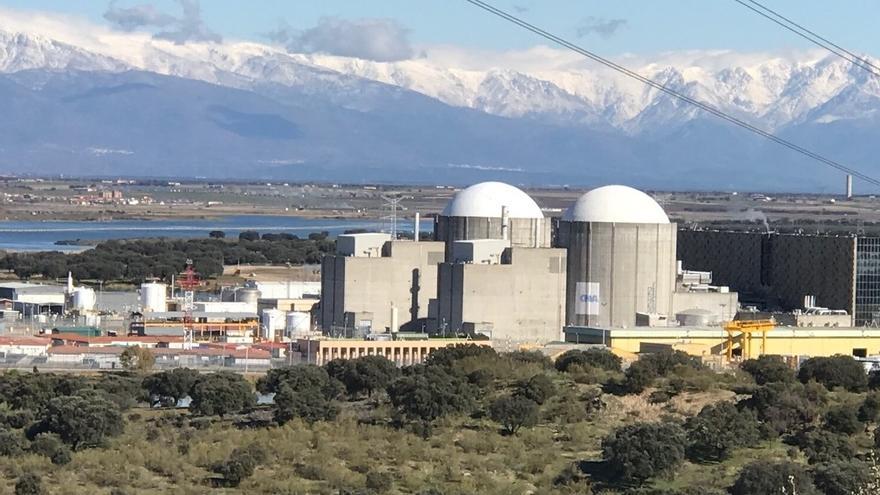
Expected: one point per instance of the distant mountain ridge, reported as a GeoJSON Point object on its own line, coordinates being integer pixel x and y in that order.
{"type": "Point", "coordinates": [318, 117]}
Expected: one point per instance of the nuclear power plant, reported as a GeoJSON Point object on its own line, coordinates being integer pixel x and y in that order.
{"type": "Point", "coordinates": [611, 270]}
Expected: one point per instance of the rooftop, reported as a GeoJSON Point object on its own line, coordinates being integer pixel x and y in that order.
{"type": "Point", "coordinates": [487, 199]}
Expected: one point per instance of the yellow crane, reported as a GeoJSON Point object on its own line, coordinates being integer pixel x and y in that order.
{"type": "Point", "coordinates": [745, 328]}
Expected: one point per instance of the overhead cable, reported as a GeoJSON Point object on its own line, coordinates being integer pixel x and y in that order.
{"type": "Point", "coordinates": [672, 92]}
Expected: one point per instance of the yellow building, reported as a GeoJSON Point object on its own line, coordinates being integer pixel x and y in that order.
{"type": "Point", "coordinates": [402, 352]}
{"type": "Point", "coordinates": [785, 341]}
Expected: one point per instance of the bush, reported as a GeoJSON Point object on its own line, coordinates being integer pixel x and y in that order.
{"type": "Point", "coordinates": [29, 484]}
{"type": "Point", "coordinates": [309, 404]}
{"type": "Point", "coordinates": [79, 422]}
{"type": "Point", "coordinates": [870, 408]}
{"type": "Point", "coordinates": [12, 443]}
{"type": "Point", "coordinates": [836, 371]}
{"type": "Point", "coordinates": [768, 369]}
{"type": "Point", "coordinates": [301, 377]}
{"type": "Point", "coordinates": [763, 477]}
{"type": "Point", "coordinates": [537, 358]}
{"type": "Point", "coordinates": [364, 374]}
{"type": "Point", "coordinates": [429, 392]}
{"type": "Point", "coordinates": [447, 356]}
{"type": "Point", "coordinates": [824, 446]}
{"type": "Point", "coordinates": [221, 393]}
{"type": "Point", "coordinates": [786, 406]}
{"type": "Point", "coordinates": [844, 477]}
{"type": "Point", "coordinates": [537, 389]}
{"type": "Point", "coordinates": [595, 357]}
{"type": "Point", "coordinates": [638, 377]}
{"type": "Point", "coordinates": [513, 412]}
{"type": "Point", "coordinates": [167, 388]}
{"type": "Point", "coordinates": [379, 482]}
{"type": "Point", "coordinates": [843, 419]}
{"type": "Point", "coordinates": [235, 469]}
{"type": "Point", "coordinates": [719, 429]}
{"type": "Point", "coordinates": [637, 452]}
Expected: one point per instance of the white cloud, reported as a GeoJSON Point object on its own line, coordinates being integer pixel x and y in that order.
{"type": "Point", "coordinates": [381, 40]}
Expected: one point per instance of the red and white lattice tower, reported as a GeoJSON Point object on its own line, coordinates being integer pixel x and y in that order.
{"type": "Point", "coordinates": [188, 281]}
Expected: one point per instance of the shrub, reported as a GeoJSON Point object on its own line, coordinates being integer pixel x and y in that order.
{"type": "Point", "coordinates": [786, 406]}
{"type": "Point", "coordinates": [220, 394]}
{"type": "Point", "coordinates": [538, 389]}
{"type": "Point", "coordinates": [638, 377]}
{"type": "Point", "coordinates": [379, 482]}
{"type": "Point", "coordinates": [595, 357]}
{"type": "Point", "coordinates": [662, 363]}
{"type": "Point", "coordinates": [537, 358]}
{"type": "Point", "coordinates": [301, 377]}
{"type": "Point", "coordinates": [844, 477]}
{"type": "Point", "coordinates": [137, 358]}
{"type": "Point", "coordinates": [167, 388]}
{"type": "Point", "coordinates": [364, 374]}
{"type": "Point", "coordinates": [843, 419]}
{"type": "Point", "coordinates": [637, 452]}
{"type": "Point", "coordinates": [447, 356]}
{"type": "Point", "coordinates": [836, 371]}
{"type": "Point", "coordinates": [235, 469]}
{"type": "Point", "coordinates": [29, 484]}
{"type": "Point", "coordinates": [768, 369]}
{"type": "Point", "coordinates": [308, 404]}
{"type": "Point", "coordinates": [763, 477]}
{"type": "Point", "coordinates": [12, 443]}
{"type": "Point", "coordinates": [823, 446]}
{"type": "Point", "coordinates": [78, 421]}
{"type": "Point", "coordinates": [514, 412]}
{"type": "Point", "coordinates": [429, 392]}
{"type": "Point", "coordinates": [719, 429]}
{"type": "Point", "coordinates": [870, 408]}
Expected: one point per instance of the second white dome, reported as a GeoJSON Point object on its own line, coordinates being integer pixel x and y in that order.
{"type": "Point", "coordinates": [616, 204]}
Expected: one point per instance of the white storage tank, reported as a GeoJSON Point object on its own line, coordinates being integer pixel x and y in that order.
{"type": "Point", "coordinates": [84, 299]}
{"type": "Point", "coordinates": [271, 322]}
{"type": "Point", "coordinates": [247, 295]}
{"type": "Point", "coordinates": [298, 322]}
{"type": "Point", "coordinates": [154, 297]}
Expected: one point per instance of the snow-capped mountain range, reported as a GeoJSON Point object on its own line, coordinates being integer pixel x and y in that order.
{"type": "Point", "coordinates": [546, 95]}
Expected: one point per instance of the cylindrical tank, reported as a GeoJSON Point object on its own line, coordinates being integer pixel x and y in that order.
{"type": "Point", "coordinates": [84, 299]}
{"type": "Point", "coordinates": [247, 295]}
{"type": "Point", "coordinates": [227, 294]}
{"type": "Point", "coordinates": [154, 297]}
{"type": "Point", "coordinates": [696, 317]}
{"type": "Point", "coordinates": [298, 322]}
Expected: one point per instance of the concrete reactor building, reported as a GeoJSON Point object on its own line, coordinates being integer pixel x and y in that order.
{"type": "Point", "coordinates": [501, 279]}
{"type": "Point", "coordinates": [493, 210]}
{"type": "Point", "coordinates": [621, 258]}
{"type": "Point", "coordinates": [376, 284]}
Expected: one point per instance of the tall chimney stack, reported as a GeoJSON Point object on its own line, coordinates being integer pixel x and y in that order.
{"type": "Point", "coordinates": [416, 228]}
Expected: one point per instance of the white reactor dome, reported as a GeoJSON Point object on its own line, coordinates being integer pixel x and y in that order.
{"type": "Point", "coordinates": [616, 204]}
{"type": "Point", "coordinates": [486, 199]}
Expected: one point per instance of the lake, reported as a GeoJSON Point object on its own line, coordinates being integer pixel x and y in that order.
{"type": "Point", "coordinates": [41, 236]}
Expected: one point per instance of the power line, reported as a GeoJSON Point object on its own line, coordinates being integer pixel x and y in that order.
{"type": "Point", "coordinates": [654, 84]}
{"type": "Point", "coordinates": [810, 36]}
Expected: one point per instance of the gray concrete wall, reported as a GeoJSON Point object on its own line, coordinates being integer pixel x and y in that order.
{"type": "Point", "coordinates": [777, 269]}
{"type": "Point", "coordinates": [634, 265]}
{"type": "Point", "coordinates": [405, 275]}
{"type": "Point", "coordinates": [723, 304]}
{"type": "Point", "coordinates": [522, 299]}
{"type": "Point", "coordinates": [524, 232]}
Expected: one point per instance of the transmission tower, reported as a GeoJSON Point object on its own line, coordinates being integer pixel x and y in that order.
{"type": "Point", "coordinates": [188, 282]}
{"type": "Point", "coordinates": [392, 204]}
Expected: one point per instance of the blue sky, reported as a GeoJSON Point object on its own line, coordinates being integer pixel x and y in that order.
{"type": "Point", "coordinates": [633, 26]}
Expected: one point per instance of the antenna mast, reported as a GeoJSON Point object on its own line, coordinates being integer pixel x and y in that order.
{"type": "Point", "coordinates": [392, 204]}
{"type": "Point", "coordinates": [188, 282]}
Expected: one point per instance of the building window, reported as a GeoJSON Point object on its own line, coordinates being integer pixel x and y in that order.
{"type": "Point", "coordinates": [867, 294]}
{"type": "Point", "coordinates": [860, 353]}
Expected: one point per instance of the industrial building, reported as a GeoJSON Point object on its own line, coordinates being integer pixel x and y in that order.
{"type": "Point", "coordinates": [376, 284]}
{"type": "Point", "coordinates": [402, 352]}
{"type": "Point", "coordinates": [792, 272]}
